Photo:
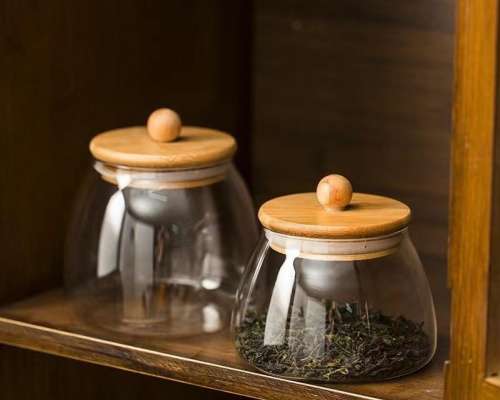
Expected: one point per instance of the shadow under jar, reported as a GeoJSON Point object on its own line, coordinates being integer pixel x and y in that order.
{"type": "Point", "coordinates": [162, 229]}
{"type": "Point", "coordinates": [335, 291]}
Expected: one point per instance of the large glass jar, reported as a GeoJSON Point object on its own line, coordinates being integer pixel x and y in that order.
{"type": "Point", "coordinates": [335, 294]}
{"type": "Point", "coordinates": [161, 231]}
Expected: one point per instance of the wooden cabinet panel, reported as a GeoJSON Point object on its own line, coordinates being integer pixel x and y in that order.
{"type": "Point", "coordinates": [69, 70]}
{"type": "Point", "coordinates": [473, 246]}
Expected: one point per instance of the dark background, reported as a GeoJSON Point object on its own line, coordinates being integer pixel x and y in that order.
{"type": "Point", "coordinates": [361, 88]}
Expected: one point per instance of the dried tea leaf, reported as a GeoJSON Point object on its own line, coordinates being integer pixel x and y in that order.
{"type": "Point", "coordinates": [359, 347]}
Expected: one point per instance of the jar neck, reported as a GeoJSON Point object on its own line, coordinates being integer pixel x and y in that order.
{"type": "Point", "coordinates": [336, 249]}
{"type": "Point", "coordinates": [162, 179]}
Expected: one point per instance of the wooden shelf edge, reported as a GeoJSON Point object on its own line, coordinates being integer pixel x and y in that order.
{"type": "Point", "coordinates": [161, 365]}
{"type": "Point", "coordinates": [494, 381]}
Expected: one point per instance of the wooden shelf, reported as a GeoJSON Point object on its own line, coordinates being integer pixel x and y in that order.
{"type": "Point", "coordinates": [494, 380]}
{"type": "Point", "coordinates": [49, 323]}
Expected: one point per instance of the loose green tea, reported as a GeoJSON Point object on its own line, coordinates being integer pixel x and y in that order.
{"type": "Point", "coordinates": [356, 344]}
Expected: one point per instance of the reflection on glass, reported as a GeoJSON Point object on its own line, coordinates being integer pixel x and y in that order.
{"type": "Point", "coordinates": [148, 256]}
{"type": "Point", "coordinates": [335, 318]}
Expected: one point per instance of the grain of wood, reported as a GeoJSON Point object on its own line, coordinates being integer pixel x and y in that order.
{"type": "Point", "coordinates": [67, 71]}
{"type": "Point", "coordinates": [164, 125]}
{"type": "Point", "coordinates": [132, 147]}
{"type": "Point", "coordinates": [52, 323]}
{"type": "Point", "coordinates": [302, 215]}
{"type": "Point", "coordinates": [493, 339]}
{"type": "Point", "coordinates": [334, 192]}
{"type": "Point", "coordinates": [40, 376]}
{"type": "Point", "coordinates": [475, 109]}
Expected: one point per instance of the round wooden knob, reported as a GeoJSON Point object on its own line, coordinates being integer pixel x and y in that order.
{"type": "Point", "coordinates": [164, 125]}
{"type": "Point", "coordinates": [334, 192]}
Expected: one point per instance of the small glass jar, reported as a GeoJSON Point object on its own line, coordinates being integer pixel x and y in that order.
{"type": "Point", "coordinates": [335, 291]}
{"type": "Point", "coordinates": [161, 231]}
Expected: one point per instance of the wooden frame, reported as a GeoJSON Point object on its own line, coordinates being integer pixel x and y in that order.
{"type": "Point", "coordinates": [475, 110]}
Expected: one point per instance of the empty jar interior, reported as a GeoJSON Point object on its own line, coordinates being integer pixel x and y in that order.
{"type": "Point", "coordinates": [314, 310]}
{"type": "Point", "coordinates": [159, 253]}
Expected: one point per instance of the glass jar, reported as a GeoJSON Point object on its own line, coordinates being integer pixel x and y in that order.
{"type": "Point", "coordinates": [161, 231]}
{"type": "Point", "coordinates": [335, 294]}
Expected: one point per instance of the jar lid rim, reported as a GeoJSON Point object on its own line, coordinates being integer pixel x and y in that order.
{"type": "Point", "coordinates": [335, 249]}
{"type": "Point", "coordinates": [162, 179]}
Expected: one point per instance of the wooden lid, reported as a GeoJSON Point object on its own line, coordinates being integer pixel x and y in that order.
{"type": "Point", "coordinates": [163, 144]}
{"type": "Point", "coordinates": [334, 212]}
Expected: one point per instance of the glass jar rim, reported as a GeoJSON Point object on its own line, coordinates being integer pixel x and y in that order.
{"type": "Point", "coordinates": [335, 249]}
{"type": "Point", "coordinates": [163, 178]}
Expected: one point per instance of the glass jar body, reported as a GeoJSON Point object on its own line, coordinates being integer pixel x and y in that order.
{"type": "Point", "coordinates": [159, 253]}
{"type": "Point", "coordinates": [337, 316]}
